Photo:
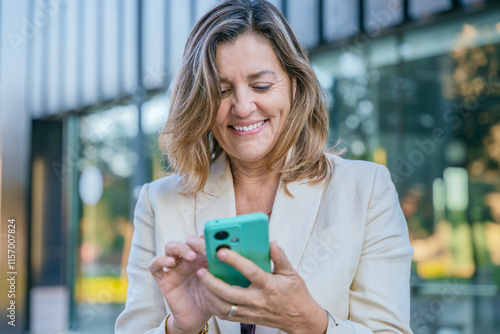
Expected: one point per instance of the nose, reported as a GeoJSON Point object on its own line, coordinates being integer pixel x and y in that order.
{"type": "Point", "coordinates": [243, 104]}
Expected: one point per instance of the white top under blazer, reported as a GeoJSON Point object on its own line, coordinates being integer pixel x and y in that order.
{"type": "Point", "coordinates": [346, 237]}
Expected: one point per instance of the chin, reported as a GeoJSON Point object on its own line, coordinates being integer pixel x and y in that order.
{"type": "Point", "coordinates": [252, 157]}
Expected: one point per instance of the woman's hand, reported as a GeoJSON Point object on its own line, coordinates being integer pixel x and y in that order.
{"type": "Point", "coordinates": [180, 285]}
{"type": "Point", "coordinates": [279, 300]}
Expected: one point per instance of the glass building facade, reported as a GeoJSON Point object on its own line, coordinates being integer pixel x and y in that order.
{"type": "Point", "coordinates": [412, 84]}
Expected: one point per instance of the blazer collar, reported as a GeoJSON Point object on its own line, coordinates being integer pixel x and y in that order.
{"type": "Point", "coordinates": [292, 218]}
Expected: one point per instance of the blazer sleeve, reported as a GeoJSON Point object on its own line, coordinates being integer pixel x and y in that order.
{"type": "Point", "coordinates": [145, 311]}
{"type": "Point", "coordinates": [379, 298]}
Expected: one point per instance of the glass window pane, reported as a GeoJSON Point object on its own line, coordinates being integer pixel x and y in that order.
{"type": "Point", "coordinates": [129, 35]}
{"type": "Point", "coordinates": [379, 14]}
{"type": "Point", "coordinates": [307, 30]}
{"type": "Point", "coordinates": [340, 19]}
{"type": "Point", "coordinates": [276, 3]}
{"type": "Point", "coordinates": [70, 92]}
{"type": "Point", "coordinates": [38, 81]}
{"type": "Point", "coordinates": [110, 52]}
{"type": "Point", "coordinates": [203, 6]}
{"type": "Point", "coordinates": [54, 59]}
{"type": "Point", "coordinates": [434, 119]}
{"type": "Point", "coordinates": [423, 8]}
{"type": "Point", "coordinates": [106, 165]}
{"type": "Point", "coordinates": [180, 27]}
{"type": "Point", "coordinates": [90, 78]}
{"type": "Point", "coordinates": [154, 69]}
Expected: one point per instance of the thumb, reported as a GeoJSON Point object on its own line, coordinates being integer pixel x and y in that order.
{"type": "Point", "coordinates": [281, 264]}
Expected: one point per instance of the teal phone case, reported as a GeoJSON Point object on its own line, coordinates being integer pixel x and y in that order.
{"type": "Point", "coordinates": [247, 235]}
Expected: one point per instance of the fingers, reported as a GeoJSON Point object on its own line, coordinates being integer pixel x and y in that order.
{"type": "Point", "coordinates": [197, 244]}
{"type": "Point", "coordinates": [245, 266]}
{"type": "Point", "coordinates": [281, 264]}
{"type": "Point", "coordinates": [220, 296]}
{"type": "Point", "coordinates": [224, 291]}
{"type": "Point", "coordinates": [176, 249]}
{"type": "Point", "coordinates": [177, 253]}
{"type": "Point", "coordinates": [157, 264]}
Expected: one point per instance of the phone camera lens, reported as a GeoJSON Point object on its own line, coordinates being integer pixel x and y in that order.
{"type": "Point", "coordinates": [221, 235]}
{"type": "Point", "coordinates": [222, 246]}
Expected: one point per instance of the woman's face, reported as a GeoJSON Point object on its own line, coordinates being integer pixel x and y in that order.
{"type": "Point", "coordinates": [256, 98]}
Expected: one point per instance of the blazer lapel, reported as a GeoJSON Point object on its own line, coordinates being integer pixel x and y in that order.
{"type": "Point", "coordinates": [216, 200]}
{"type": "Point", "coordinates": [293, 218]}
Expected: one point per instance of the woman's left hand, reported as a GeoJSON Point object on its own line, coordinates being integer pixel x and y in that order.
{"type": "Point", "coordinates": [279, 300]}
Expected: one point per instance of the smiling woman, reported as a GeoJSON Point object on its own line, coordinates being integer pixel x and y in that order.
{"type": "Point", "coordinates": [247, 132]}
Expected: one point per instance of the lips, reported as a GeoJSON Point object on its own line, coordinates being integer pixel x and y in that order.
{"type": "Point", "coordinates": [247, 128]}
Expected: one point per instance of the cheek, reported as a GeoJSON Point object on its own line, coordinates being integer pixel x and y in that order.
{"type": "Point", "coordinates": [222, 113]}
{"type": "Point", "coordinates": [219, 121]}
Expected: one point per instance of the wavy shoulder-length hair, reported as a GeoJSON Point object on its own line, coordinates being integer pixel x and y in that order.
{"type": "Point", "coordinates": [196, 96]}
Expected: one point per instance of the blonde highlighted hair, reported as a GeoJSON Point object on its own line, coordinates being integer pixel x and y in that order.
{"type": "Point", "coordinates": [196, 96]}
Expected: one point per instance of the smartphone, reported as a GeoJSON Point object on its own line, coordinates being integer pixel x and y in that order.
{"type": "Point", "coordinates": [248, 235]}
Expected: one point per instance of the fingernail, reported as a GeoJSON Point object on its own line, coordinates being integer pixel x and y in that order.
{"type": "Point", "coordinates": [191, 255]}
{"type": "Point", "coordinates": [222, 254]}
{"type": "Point", "coordinates": [201, 272]}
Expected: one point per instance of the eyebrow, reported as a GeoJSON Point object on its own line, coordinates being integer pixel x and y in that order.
{"type": "Point", "coordinates": [252, 76]}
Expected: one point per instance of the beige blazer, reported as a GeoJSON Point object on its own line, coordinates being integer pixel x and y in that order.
{"type": "Point", "coordinates": [347, 238]}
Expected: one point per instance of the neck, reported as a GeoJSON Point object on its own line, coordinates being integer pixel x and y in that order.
{"type": "Point", "coordinates": [245, 175]}
{"type": "Point", "coordinates": [255, 187]}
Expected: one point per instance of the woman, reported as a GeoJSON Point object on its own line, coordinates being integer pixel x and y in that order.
{"type": "Point", "coordinates": [246, 133]}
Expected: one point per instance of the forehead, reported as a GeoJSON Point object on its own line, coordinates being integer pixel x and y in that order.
{"type": "Point", "coordinates": [247, 54]}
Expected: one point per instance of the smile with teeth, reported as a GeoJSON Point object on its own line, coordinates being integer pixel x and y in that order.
{"type": "Point", "coordinates": [247, 128]}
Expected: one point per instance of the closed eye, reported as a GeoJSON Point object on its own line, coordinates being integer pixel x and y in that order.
{"type": "Point", "coordinates": [262, 88]}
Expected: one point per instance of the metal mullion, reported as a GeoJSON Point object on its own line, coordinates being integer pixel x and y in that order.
{"type": "Point", "coordinates": [192, 12]}
{"type": "Point", "coordinates": [138, 177]}
{"type": "Point", "coordinates": [321, 21]}
{"type": "Point", "coordinates": [406, 11]}
{"type": "Point", "coordinates": [361, 16]}
{"type": "Point", "coordinates": [284, 8]}
{"type": "Point", "coordinates": [456, 4]}
{"type": "Point", "coordinates": [70, 135]}
{"type": "Point", "coordinates": [71, 210]}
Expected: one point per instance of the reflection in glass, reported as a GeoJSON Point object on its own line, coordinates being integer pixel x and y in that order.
{"type": "Point", "coordinates": [434, 120]}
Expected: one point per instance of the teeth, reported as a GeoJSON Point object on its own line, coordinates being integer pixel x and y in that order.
{"type": "Point", "coordinates": [247, 128]}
